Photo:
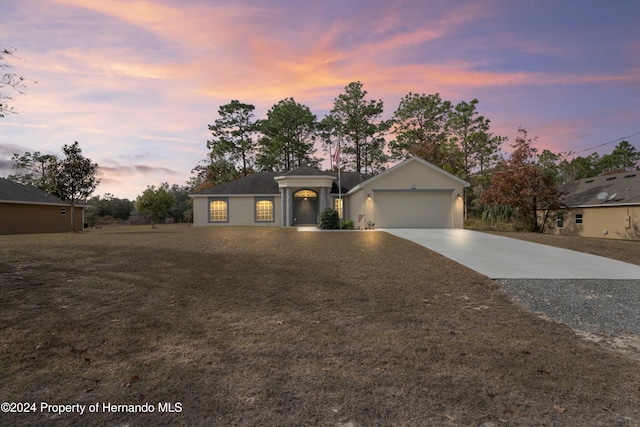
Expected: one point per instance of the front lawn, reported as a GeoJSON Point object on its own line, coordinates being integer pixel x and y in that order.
{"type": "Point", "coordinates": [270, 326]}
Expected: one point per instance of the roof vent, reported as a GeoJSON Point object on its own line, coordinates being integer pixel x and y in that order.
{"type": "Point", "coordinates": [588, 181]}
{"type": "Point", "coordinates": [630, 175]}
{"type": "Point", "coordinates": [611, 178]}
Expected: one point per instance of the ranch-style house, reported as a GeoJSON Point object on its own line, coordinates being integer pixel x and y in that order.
{"type": "Point", "coordinates": [413, 193]}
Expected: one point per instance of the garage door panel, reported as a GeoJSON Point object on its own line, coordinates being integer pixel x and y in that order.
{"type": "Point", "coordinates": [413, 210]}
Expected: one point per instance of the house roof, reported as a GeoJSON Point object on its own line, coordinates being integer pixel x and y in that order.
{"type": "Point", "coordinates": [265, 183]}
{"type": "Point", "coordinates": [305, 171]}
{"type": "Point", "coordinates": [621, 189]}
{"type": "Point", "coordinates": [348, 180]}
{"type": "Point", "coordinates": [257, 183]}
{"type": "Point", "coordinates": [13, 192]}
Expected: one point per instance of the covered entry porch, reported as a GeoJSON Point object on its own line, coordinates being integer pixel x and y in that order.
{"type": "Point", "coordinates": [304, 196]}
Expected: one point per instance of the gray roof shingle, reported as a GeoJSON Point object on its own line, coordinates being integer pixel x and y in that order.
{"type": "Point", "coordinates": [13, 192]}
{"type": "Point", "coordinates": [305, 171]}
{"type": "Point", "coordinates": [621, 188]}
{"type": "Point", "coordinates": [264, 182]}
{"type": "Point", "coordinates": [257, 183]}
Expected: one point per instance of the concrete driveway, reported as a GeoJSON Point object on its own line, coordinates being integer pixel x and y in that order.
{"type": "Point", "coordinates": [504, 258]}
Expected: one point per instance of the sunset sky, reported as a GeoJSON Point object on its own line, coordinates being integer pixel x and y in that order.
{"type": "Point", "coordinates": [137, 82]}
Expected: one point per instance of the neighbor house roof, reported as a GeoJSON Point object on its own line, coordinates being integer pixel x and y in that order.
{"type": "Point", "coordinates": [12, 192]}
{"type": "Point", "coordinates": [265, 183]}
{"type": "Point", "coordinates": [607, 190]}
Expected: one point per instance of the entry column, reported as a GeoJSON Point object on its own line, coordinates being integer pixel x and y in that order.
{"type": "Point", "coordinates": [323, 199]}
{"type": "Point", "coordinates": [289, 207]}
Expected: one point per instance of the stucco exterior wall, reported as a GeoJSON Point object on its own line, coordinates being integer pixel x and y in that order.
{"type": "Point", "coordinates": [414, 173]}
{"type": "Point", "coordinates": [610, 222]}
{"type": "Point", "coordinates": [17, 218]}
{"type": "Point", "coordinates": [241, 211]}
{"type": "Point", "coordinates": [359, 209]}
{"type": "Point", "coordinates": [411, 179]}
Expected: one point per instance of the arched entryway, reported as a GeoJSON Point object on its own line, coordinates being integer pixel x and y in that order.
{"type": "Point", "coordinates": [305, 207]}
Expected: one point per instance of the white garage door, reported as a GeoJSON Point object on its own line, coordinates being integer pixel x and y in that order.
{"type": "Point", "coordinates": [419, 209]}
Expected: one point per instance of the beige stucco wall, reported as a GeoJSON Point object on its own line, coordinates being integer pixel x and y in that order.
{"type": "Point", "coordinates": [241, 211]}
{"type": "Point", "coordinates": [18, 218]}
{"type": "Point", "coordinates": [416, 173]}
{"type": "Point", "coordinates": [356, 205]}
{"type": "Point", "coordinates": [409, 175]}
{"type": "Point", "coordinates": [595, 220]}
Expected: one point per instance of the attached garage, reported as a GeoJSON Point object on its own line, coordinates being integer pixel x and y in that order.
{"type": "Point", "coordinates": [413, 209]}
{"type": "Point", "coordinates": [412, 194]}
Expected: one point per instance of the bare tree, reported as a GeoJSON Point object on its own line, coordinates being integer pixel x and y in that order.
{"type": "Point", "coordinates": [9, 80]}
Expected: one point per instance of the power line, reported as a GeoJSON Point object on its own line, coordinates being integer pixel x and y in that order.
{"type": "Point", "coordinates": [607, 143]}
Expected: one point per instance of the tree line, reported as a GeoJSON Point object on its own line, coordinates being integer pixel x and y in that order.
{"type": "Point", "coordinates": [453, 137]}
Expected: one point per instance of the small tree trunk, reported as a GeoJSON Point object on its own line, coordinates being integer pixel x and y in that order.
{"type": "Point", "coordinates": [465, 203]}
{"type": "Point", "coordinates": [73, 219]}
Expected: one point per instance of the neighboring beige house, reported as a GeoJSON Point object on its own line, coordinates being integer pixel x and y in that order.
{"type": "Point", "coordinates": [26, 210]}
{"type": "Point", "coordinates": [605, 206]}
{"type": "Point", "coordinates": [414, 193]}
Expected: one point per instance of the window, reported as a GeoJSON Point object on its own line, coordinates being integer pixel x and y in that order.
{"type": "Point", "coordinates": [338, 206]}
{"type": "Point", "coordinates": [264, 210]}
{"type": "Point", "coordinates": [578, 219]}
{"type": "Point", "coordinates": [560, 220]}
{"type": "Point", "coordinates": [218, 210]}
{"type": "Point", "coordinates": [63, 211]}
{"type": "Point", "coordinates": [305, 194]}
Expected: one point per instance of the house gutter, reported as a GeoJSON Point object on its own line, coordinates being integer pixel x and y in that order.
{"type": "Point", "coordinates": [19, 202]}
{"type": "Point", "coordinates": [604, 205]}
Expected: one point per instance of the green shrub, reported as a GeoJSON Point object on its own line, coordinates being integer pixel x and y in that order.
{"type": "Point", "coordinates": [329, 219]}
{"type": "Point", "coordinates": [347, 225]}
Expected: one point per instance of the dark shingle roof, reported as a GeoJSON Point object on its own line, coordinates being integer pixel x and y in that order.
{"type": "Point", "coordinates": [348, 180]}
{"type": "Point", "coordinates": [621, 188]}
{"type": "Point", "coordinates": [13, 192]}
{"type": "Point", "coordinates": [305, 171]}
{"type": "Point", "coordinates": [257, 183]}
{"type": "Point", "coordinates": [264, 182]}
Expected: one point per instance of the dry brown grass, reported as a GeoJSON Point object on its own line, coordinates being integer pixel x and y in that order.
{"type": "Point", "coordinates": [266, 326]}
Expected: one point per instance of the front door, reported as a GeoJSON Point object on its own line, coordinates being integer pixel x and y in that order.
{"type": "Point", "coordinates": [305, 207]}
